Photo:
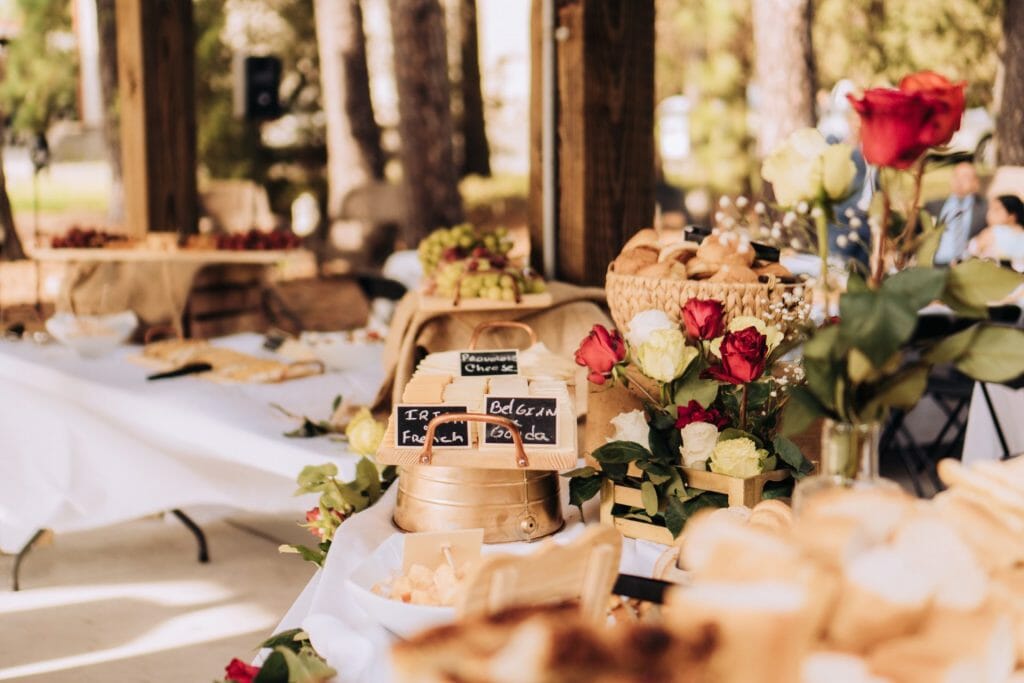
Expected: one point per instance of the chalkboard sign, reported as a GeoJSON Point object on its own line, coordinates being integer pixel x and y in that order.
{"type": "Point", "coordinates": [537, 419]}
{"type": "Point", "coordinates": [488, 363]}
{"type": "Point", "coordinates": [411, 427]}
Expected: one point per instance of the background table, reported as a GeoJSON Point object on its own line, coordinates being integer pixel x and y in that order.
{"type": "Point", "coordinates": [88, 443]}
{"type": "Point", "coordinates": [981, 441]}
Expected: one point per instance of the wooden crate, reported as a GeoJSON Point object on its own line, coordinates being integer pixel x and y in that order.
{"type": "Point", "coordinates": [746, 492]}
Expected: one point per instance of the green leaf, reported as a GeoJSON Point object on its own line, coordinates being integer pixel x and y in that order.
{"type": "Point", "coordinates": [973, 285]}
{"type": "Point", "coordinates": [635, 513]}
{"type": "Point", "coordinates": [291, 639]}
{"type": "Point", "coordinates": [877, 323]}
{"type": "Point", "coordinates": [306, 667]}
{"type": "Point", "coordinates": [675, 516]}
{"type": "Point", "coordinates": [661, 420]}
{"type": "Point", "coordinates": [790, 454]}
{"type": "Point", "coordinates": [317, 557]}
{"type": "Point", "coordinates": [703, 391]}
{"type": "Point", "coordinates": [930, 239]}
{"type": "Point", "coordinates": [368, 480]}
{"type": "Point", "coordinates": [996, 354]}
{"type": "Point", "coordinates": [707, 499]}
{"type": "Point", "coordinates": [800, 412]}
{"type": "Point", "coordinates": [649, 496]}
{"type": "Point", "coordinates": [902, 391]}
{"type": "Point", "coordinates": [274, 669]}
{"type": "Point", "coordinates": [335, 403]}
{"type": "Point", "coordinates": [855, 282]}
{"type": "Point", "coordinates": [309, 429]}
{"type": "Point", "coordinates": [582, 489]}
{"type": "Point", "coordinates": [820, 379]}
{"type": "Point", "coordinates": [586, 471]}
{"type": "Point", "coordinates": [859, 367]}
{"type": "Point", "coordinates": [953, 346]}
{"type": "Point", "coordinates": [660, 449]}
{"type": "Point", "coordinates": [312, 477]}
{"type": "Point", "coordinates": [917, 287]}
{"type": "Point", "coordinates": [757, 394]}
{"type": "Point", "coordinates": [823, 344]}
{"type": "Point", "coordinates": [658, 473]}
{"type": "Point", "coordinates": [620, 452]}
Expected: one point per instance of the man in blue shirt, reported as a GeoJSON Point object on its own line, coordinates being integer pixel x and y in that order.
{"type": "Point", "coordinates": [962, 213]}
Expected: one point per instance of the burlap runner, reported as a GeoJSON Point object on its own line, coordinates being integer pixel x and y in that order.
{"type": "Point", "coordinates": [415, 333]}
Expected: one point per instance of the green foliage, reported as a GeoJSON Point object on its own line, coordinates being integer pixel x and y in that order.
{"type": "Point", "coordinates": [41, 68]}
{"type": "Point", "coordinates": [293, 660]}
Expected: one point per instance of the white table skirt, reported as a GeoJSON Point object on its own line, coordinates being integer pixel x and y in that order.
{"type": "Point", "coordinates": [981, 442]}
{"type": "Point", "coordinates": [86, 443]}
{"type": "Point", "coordinates": [357, 647]}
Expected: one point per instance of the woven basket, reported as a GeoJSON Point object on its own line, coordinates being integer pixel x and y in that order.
{"type": "Point", "coordinates": [785, 305]}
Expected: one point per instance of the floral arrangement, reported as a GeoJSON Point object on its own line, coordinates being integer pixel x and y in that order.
{"type": "Point", "coordinates": [292, 660]}
{"type": "Point", "coordinates": [712, 394]}
{"type": "Point", "coordinates": [868, 360]}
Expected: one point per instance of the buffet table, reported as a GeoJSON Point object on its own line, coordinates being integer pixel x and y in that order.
{"type": "Point", "coordinates": [358, 647]}
{"type": "Point", "coordinates": [87, 443]}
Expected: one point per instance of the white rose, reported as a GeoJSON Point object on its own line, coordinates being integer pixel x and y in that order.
{"type": "Point", "coordinates": [773, 335]}
{"type": "Point", "coordinates": [805, 167]}
{"type": "Point", "coordinates": [631, 426]}
{"type": "Point", "coordinates": [838, 171]}
{"type": "Point", "coordinates": [646, 323]}
{"type": "Point", "coordinates": [699, 440]}
{"type": "Point", "coordinates": [665, 355]}
{"type": "Point", "coordinates": [739, 458]}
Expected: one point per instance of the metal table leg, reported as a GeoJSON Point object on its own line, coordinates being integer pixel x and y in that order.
{"type": "Point", "coordinates": [15, 584]}
{"type": "Point", "coordinates": [995, 421]}
{"type": "Point", "coordinates": [204, 555]}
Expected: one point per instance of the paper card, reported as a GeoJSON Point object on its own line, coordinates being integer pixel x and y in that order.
{"type": "Point", "coordinates": [489, 363]}
{"type": "Point", "coordinates": [536, 417]}
{"type": "Point", "coordinates": [427, 548]}
{"type": "Point", "coordinates": [411, 422]}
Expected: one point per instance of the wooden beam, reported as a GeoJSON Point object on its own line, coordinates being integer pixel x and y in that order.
{"type": "Point", "coordinates": [605, 131]}
{"type": "Point", "coordinates": [156, 58]}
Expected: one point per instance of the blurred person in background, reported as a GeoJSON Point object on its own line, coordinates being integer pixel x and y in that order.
{"type": "Point", "coordinates": [1003, 239]}
{"type": "Point", "coordinates": [963, 213]}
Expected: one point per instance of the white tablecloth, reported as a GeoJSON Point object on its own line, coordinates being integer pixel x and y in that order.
{"type": "Point", "coordinates": [86, 443]}
{"type": "Point", "coordinates": [981, 442]}
{"type": "Point", "coordinates": [357, 647]}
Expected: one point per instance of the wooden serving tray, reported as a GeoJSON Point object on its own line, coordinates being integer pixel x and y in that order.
{"type": "Point", "coordinates": [560, 457]}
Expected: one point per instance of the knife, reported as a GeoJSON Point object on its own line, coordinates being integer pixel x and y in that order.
{"type": "Point", "coordinates": [189, 369]}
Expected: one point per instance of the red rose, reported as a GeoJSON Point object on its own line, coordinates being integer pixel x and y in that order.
{"type": "Point", "coordinates": [947, 99]}
{"type": "Point", "coordinates": [240, 672]}
{"type": "Point", "coordinates": [695, 412]}
{"type": "Point", "coordinates": [599, 353]}
{"type": "Point", "coordinates": [897, 126]}
{"type": "Point", "coordinates": [704, 318]}
{"type": "Point", "coordinates": [743, 357]}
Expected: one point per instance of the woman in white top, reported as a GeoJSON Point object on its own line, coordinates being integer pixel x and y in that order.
{"type": "Point", "coordinates": [1003, 239]}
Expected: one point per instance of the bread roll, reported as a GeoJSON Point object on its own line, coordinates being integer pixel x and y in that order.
{"type": "Point", "coordinates": [738, 274]}
{"type": "Point", "coordinates": [643, 237]}
{"type": "Point", "coordinates": [661, 270]}
{"type": "Point", "coordinates": [679, 251]}
{"type": "Point", "coordinates": [772, 515]}
{"type": "Point", "coordinates": [941, 558]}
{"type": "Point", "coordinates": [881, 598]}
{"type": "Point", "coordinates": [976, 647]}
{"type": "Point", "coordinates": [761, 626]}
{"type": "Point", "coordinates": [837, 667]}
{"type": "Point", "coordinates": [678, 271]}
{"type": "Point", "coordinates": [725, 547]}
{"type": "Point", "coordinates": [632, 260]}
{"type": "Point", "coordinates": [773, 268]}
{"type": "Point", "coordinates": [697, 268]}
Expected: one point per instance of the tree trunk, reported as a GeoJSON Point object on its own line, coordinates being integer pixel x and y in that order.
{"type": "Point", "coordinates": [425, 120]}
{"type": "Point", "coordinates": [784, 69]}
{"type": "Point", "coordinates": [106, 18]}
{"type": "Point", "coordinates": [476, 151]}
{"type": "Point", "coordinates": [1010, 120]}
{"type": "Point", "coordinates": [354, 155]}
{"type": "Point", "coordinates": [11, 250]}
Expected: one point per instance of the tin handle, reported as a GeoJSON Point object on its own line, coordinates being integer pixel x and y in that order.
{"type": "Point", "coordinates": [494, 324]}
{"type": "Point", "coordinates": [517, 441]}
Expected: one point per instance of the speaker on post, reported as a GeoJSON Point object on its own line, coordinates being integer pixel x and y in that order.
{"type": "Point", "coordinates": [257, 82]}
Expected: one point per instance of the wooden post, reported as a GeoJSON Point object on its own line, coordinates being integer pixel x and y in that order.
{"type": "Point", "coordinates": [156, 57]}
{"type": "Point", "coordinates": [605, 131]}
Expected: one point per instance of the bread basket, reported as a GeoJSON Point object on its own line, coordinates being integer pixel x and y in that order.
{"type": "Point", "coordinates": [785, 305]}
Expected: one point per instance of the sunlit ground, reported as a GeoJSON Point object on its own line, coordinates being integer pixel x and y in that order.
{"type": "Point", "coordinates": [130, 603]}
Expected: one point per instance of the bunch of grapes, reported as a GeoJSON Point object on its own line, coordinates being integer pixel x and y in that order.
{"type": "Point", "coordinates": [257, 240]}
{"type": "Point", "coordinates": [85, 238]}
{"type": "Point", "coordinates": [448, 245]}
{"type": "Point", "coordinates": [476, 278]}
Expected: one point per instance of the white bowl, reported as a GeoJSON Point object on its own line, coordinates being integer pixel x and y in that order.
{"type": "Point", "coordinates": [402, 619]}
{"type": "Point", "coordinates": [92, 336]}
